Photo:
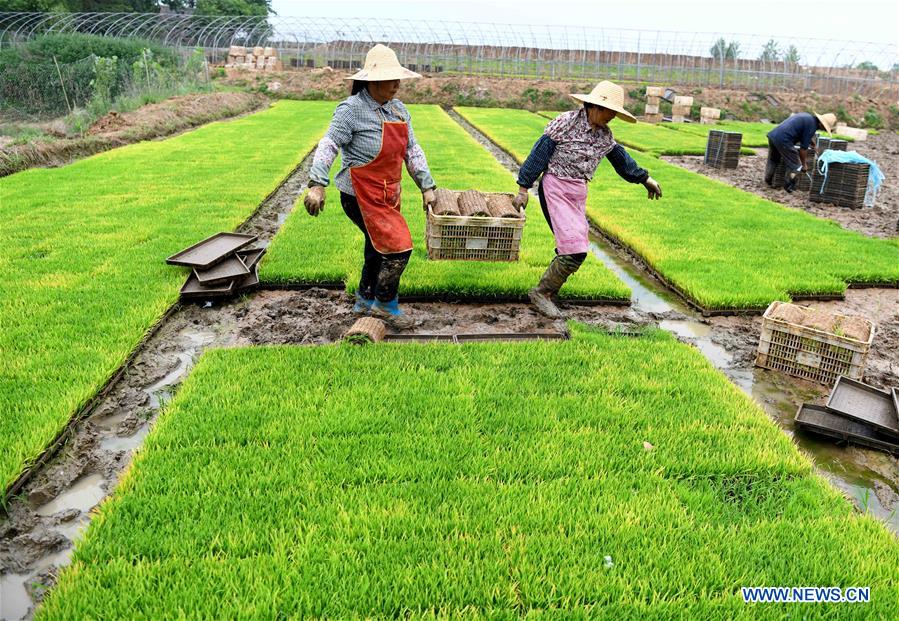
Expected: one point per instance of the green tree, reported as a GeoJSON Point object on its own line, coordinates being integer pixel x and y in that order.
{"type": "Point", "coordinates": [771, 51]}
{"type": "Point", "coordinates": [723, 49]}
{"type": "Point", "coordinates": [867, 65]}
{"type": "Point", "coordinates": [221, 7]}
{"type": "Point", "coordinates": [792, 55]}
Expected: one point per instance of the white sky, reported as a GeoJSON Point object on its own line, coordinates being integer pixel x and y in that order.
{"type": "Point", "coordinates": [858, 20]}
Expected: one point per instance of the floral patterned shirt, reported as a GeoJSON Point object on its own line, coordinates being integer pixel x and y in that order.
{"type": "Point", "coordinates": [579, 147]}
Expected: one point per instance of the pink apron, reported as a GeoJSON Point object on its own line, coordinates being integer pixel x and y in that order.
{"type": "Point", "coordinates": [566, 203]}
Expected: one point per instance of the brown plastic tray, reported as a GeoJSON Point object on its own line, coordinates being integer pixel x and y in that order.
{"type": "Point", "coordinates": [232, 268]}
{"type": "Point", "coordinates": [820, 420]}
{"type": "Point", "coordinates": [211, 250]}
{"type": "Point", "coordinates": [249, 281]}
{"type": "Point", "coordinates": [193, 290]}
{"type": "Point", "coordinates": [865, 404]}
{"type": "Point", "coordinates": [251, 257]}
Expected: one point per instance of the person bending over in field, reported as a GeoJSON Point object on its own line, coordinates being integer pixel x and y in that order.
{"type": "Point", "coordinates": [373, 133]}
{"type": "Point", "coordinates": [566, 155]}
{"type": "Point", "coordinates": [782, 140]}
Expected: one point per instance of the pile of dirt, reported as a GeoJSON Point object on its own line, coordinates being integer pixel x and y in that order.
{"type": "Point", "coordinates": [881, 220]}
{"type": "Point", "coordinates": [118, 129]}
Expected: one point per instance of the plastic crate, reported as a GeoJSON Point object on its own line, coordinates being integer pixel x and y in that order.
{"type": "Point", "coordinates": [473, 238]}
{"type": "Point", "coordinates": [810, 353]}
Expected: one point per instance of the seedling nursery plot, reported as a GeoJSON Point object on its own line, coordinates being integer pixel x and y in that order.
{"type": "Point", "coordinates": [651, 138]}
{"type": "Point", "coordinates": [85, 244]}
{"type": "Point", "coordinates": [329, 248]}
{"type": "Point", "coordinates": [720, 247]}
{"type": "Point", "coordinates": [476, 486]}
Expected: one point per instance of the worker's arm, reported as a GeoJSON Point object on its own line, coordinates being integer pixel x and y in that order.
{"type": "Point", "coordinates": [803, 156]}
{"type": "Point", "coordinates": [340, 132]}
{"type": "Point", "coordinates": [534, 166]}
{"type": "Point", "coordinates": [416, 162]}
{"type": "Point", "coordinates": [628, 169]}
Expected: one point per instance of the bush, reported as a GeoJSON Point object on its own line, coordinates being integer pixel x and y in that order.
{"type": "Point", "coordinates": [873, 119]}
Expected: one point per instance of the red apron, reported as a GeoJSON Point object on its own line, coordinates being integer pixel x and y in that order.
{"type": "Point", "coordinates": [377, 188]}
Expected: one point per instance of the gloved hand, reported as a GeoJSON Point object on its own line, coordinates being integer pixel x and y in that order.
{"type": "Point", "coordinates": [653, 189]}
{"type": "Point", "coordinates": [427, 198]}
{"type": "Point", "coordinates": [520, 200]}
{"type": "Point", "coordinates": [315, 200]}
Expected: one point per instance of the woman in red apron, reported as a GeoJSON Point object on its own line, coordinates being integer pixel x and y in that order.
{"type": "Point", "coordinates": [566, 156]}
{"type": "Point", "coordinates": [372, 132]}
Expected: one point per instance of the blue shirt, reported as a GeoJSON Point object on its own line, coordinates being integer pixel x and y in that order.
{"type": "Point", "coordinates": [798, 129]}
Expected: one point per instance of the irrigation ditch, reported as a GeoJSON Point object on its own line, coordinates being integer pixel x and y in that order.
{"type": "Point", "coordinates": [53, 504]}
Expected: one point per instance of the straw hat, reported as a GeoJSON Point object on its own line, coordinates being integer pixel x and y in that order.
{"type": "Point", "coordinates": [827, 120]}
{"type": "Point", "coordinates": [608, 95]}
{"type": "Point", "coordinates": [381, 64]}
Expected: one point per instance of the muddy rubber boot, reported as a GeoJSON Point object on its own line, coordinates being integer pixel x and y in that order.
{"type": "Point", "coordinates": [362, 305]}
{"type": "Point", "coordinates": [790, 183]}
{"type": "Point", "coordinates": [556, 274]}
{"type": "Point", "coordinates": [392, 314]}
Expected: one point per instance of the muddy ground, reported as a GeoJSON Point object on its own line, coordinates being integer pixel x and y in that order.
{"type": "Point", "coordinates": [882, 220]}
{"type": "Point", "coordinates": [158, 120]}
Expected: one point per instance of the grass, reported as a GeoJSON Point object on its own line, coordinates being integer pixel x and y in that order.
{"type": "Point", "coordinates": [329, 248]}
{"type": "Point", "coordinates": [654, 139]}
{"type": "Point", "coordinates": [84, 250]}
{"type": "Point", "coordinates": [722, 247]}
{"type": "Point", "coordinates": [441, 481]}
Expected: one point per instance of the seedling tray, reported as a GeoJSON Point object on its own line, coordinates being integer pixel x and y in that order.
{"type": "Point", "coordinates": [211, 250]}
{"type": "Point", "coordinates": [248, 281]}
{"type": "Point", "coordinates": [193, 290]}
{"type": "Point", "coordinates": [865, 404]}
{"type": "Point", "coordinates": [820, 420]}
{"type": "Point", "coordinates": [231, 268]}
{"type": "Point", "coordinates": [251, 257]}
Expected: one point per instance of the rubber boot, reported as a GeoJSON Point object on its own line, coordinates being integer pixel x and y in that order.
{"type": "Point", "coordinates": [362, 305]}
{"type": "Point", "coordinates": [392, 313]}
{"type": "Point", "coordinates": [557, 273]}
{"type": "Point", "coordinates": [791, 181]}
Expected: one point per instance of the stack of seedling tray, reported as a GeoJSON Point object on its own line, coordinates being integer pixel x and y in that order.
{"type": "Point", "coordinates": [473, 226]}
{"type": "Point", "coordinates": [813, 345]}
{"type": "Point", "coordinates": [845, 185]}
{"type": "Point", "coordinates": [806, 183]}
{"type": "Point", "coordinates": [858, 413]}
{"type": "Point", "coordinates": [723, 149]}
{"type": "Point", "coordinates": [221, 266]}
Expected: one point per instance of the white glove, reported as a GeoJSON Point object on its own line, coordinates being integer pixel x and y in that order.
{"type": "Point", "coordinates": [520, 200]}
{"type": "Point", "coordinates": [653, 189]}
{"type": "Point", "coordinates": [315, 200]}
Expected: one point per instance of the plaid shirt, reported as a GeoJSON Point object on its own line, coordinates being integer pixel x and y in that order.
{"type": "Point", "coordinates": [356, 131]}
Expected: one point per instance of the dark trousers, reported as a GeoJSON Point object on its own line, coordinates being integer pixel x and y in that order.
{"type": "Point", "coordinates": [579, 257]}
{"type": "Point", "coordinates": [777, 153]}
{"type": "Point", "coordinates": [380, 272]}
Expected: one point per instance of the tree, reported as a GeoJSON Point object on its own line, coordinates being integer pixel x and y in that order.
{"type": "Point", "coordinates": [723, 49]}
{"type": "Point", "coordinates": [221, 7]}
{"type": "Point", "coordinates": [792, 55]}
{"type": "Point", "coordinates": [867, 65]}
{"type": "Point", "coordinates": [771, 51]}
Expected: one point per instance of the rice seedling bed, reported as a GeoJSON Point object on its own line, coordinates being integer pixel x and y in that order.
{"type": "Point", "coordinates": [724, 249]}
{"type": "Point", "coordinates": [755, 134]}
{"type": "Point", "coordinates": [652, 138]}
{"type": "Point", "coordinates": [86, 243]}
{"type": "Point", "coordinates": [435, 480]}
{"type": "Point", "coordinates": [329, 248]}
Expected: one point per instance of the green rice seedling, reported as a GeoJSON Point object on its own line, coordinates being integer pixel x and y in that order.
{"type": "Point", "coordinates": [443, 481]}
{"type": "Point", "coordinates": [719, 246]}
{"type": "Point", "coordinates": [329, 248]}
{"type": "Point", "coordinates": [651, 138]}
{"type": "Point", "coordinates": [755, 134]}
{"type": "Point", "coordinates": [85, 245]}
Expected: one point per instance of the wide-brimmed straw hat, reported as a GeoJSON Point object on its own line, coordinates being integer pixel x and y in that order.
{"type": "Point", "coordinates": [828, 120]}
{"type": "Point", "coordinates": [608, 95]}
{"type": "Point", "coordinates": [381, 64]}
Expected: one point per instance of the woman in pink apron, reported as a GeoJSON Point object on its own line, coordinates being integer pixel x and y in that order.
{"type": "Point", "coordinates": [566, 155]}
{"type": "Point", "coordinates": [372, 132]}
